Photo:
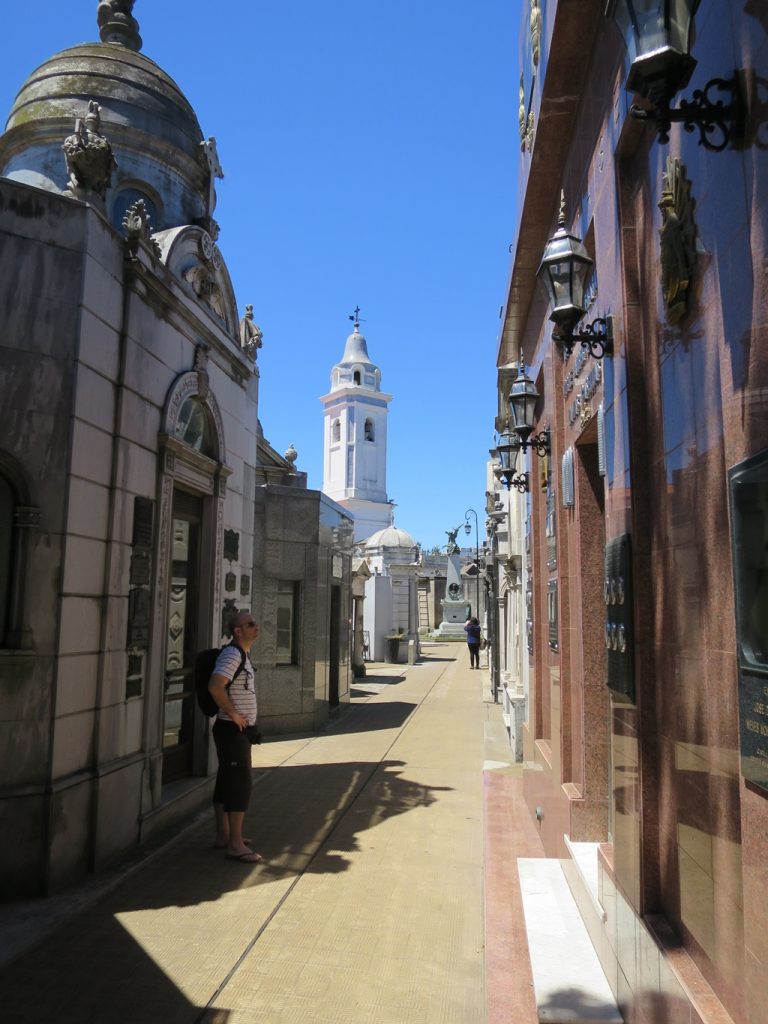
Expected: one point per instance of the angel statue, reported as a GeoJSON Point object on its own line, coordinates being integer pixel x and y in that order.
{"type": "Point", "coordinates": [452, 548]}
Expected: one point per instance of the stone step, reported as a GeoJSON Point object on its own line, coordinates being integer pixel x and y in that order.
{"type": "Point", "coordinates": [568, 981]}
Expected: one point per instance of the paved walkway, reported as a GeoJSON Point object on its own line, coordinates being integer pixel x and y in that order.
{"type": "Point", "coordinates": [369, 907]}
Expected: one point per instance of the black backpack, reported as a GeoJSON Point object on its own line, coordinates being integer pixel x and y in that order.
{"type": "Point", "coordinates": [205, 662]}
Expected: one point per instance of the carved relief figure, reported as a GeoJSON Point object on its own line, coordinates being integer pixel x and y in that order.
{"type": "Point", "coordinates": [90, 161]}
{"type": "Point", "coordinates": [678, 239]}
{"type": "Point", "coordinates": [250, 334]}
{"type": "Point", "coordinates": [535, 32]}
{"type": "Point", "coordinates": [521, 115]}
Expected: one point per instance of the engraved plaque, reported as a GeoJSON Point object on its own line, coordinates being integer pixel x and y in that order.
{"type": "Point", "coordinates": [143, 518]}
{"type": "Point", "coordinates": [245, 586]}
{"type": "Point", "coordinates": [231, 545]}
{"type": "Point", "coordinates": [230, 582]}
{"type": "Point", "coordinates": [140, 568]}
{"type": "Point", "coordinates": [138, 618]}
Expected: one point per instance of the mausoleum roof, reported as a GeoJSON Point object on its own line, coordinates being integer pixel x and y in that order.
{"type": "Point", "coordinates": [150, 125]}
{"type": "Point", "coordinates": [390, 537]}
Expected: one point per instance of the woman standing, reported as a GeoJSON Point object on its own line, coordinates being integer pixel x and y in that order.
{"type": "Point", "coordinates": [472, 629]}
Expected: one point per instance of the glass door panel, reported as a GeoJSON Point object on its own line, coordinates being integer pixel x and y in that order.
{"type": "Point", "coordinates": [181, 639]}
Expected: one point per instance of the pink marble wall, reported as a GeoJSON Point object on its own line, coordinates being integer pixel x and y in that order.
{"type": "Point", "coordinates": [683, 403]}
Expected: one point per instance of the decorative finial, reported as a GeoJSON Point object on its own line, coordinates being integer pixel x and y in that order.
{"type": "Point", "coordinates": [355, 317]}
{"type": "Point", "coordinates": [117, 24]}
{"type": "Point", "coordinates": [521, 364]}
{"type": "Point", "coordinates": [561, 218]}
{"type": "Point", "coordinates": [291, 454]}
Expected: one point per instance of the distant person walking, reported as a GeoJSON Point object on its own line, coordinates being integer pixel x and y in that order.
{"type": "Point", "coordinates": [472, 629]}
{"type": "Point", "coordinates": [232, 687]}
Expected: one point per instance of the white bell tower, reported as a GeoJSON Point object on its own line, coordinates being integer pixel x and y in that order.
{"type": "Point", "coordinates": [355, 437]}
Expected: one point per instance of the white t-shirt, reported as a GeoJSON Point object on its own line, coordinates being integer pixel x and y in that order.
{"type": "Point", "coordinates": [242, 692]}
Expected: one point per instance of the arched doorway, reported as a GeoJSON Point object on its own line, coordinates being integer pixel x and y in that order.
{"type": "Point", "coordinates": [192, 491]}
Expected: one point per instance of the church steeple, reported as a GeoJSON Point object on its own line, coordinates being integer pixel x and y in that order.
{"type": "Point", "coordinates": [355, 442]}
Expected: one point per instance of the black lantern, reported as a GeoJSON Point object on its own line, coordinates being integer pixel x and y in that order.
{"type": "Point", "coordinates": [522, 406]}
{"type": "Point", "coordinates": [508, 448]}
{"type": "Point", "coordinates": [563, 272]}
{"type": "Point", "coordinates": [659, 35]}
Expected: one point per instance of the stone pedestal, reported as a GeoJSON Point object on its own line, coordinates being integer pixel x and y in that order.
{"type": "Point", "coordinates": [455, 605]}
{"type": "Point", "coordinates": [455, 614]}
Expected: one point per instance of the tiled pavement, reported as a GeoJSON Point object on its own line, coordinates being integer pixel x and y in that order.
{"type": "Point", "coordinates": [369, 908]}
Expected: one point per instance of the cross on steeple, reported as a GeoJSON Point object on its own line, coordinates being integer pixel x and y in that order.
{"type": "Point", "coordinates": [355, 317]}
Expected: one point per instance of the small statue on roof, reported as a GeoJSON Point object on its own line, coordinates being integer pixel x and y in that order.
{"type": "Point", "coordinates": [251, 337]}
{"type": "Point", "coordinates": [90, 161]}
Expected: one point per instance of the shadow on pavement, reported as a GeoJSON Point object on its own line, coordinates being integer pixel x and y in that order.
{"type": "Point", "coordinates": [93, 969]}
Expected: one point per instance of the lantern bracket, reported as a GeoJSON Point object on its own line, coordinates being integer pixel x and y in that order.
{"type": "Point", "coordinates": [718, 123]}
{"type": "Point", "coordinates": [597, 337]}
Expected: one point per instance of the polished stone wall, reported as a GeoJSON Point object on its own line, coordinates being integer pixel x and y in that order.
{"type": "Point", "coordinates": [654, 776]}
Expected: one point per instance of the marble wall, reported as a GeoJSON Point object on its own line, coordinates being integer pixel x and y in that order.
{"type": "Point", "coordinates": [657, 776]}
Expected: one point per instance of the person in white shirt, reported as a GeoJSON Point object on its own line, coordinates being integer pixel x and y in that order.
{"type": "Point", "coordinates": [232, 687]}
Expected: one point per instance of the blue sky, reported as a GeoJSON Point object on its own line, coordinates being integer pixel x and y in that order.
{"type": "Point", "coordinates": [370, 158]}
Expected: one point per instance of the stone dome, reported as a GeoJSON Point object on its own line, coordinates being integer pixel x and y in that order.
{"type": "Point", "coordinates": [356, 350]}
{"type": "Point", "coordinates": [390, 537]}
{"type": "Point", "coordinates": [153, 130]}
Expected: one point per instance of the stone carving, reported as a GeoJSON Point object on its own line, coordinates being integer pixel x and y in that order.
{"type": "Point", "coordinates": [535, 32]}
{"type": "Point", "coordinates": [210, 251]}
{"type": "Point", "coordinates": [525, 120]}
{"type": "Point", "coordinates": [250, 334]}
{"type": "Point", "coordinates": [117, 24]}
{"type": "Point", "coordinates": [137, 225]}
{"type": "Point", "coordinates": [678, 239]}
{"type": "Point", "coordinates": [205, 288]}
{"type": "Point", "coordinates": [212, 162]}
{"type": "Point", "coordinates": [90, 161]}
{"type": "Point", "coordinates": [201, 368]}
{"type": "Point", "coordinates": [291, 454]}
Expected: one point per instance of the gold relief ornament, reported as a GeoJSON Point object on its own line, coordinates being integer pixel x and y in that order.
{"type": "Point", "coordinates": [535, 32]}
{"type": "Point", "coordinates": [525, 121]}
{"type": "Point", "coordinates": [677, 237]}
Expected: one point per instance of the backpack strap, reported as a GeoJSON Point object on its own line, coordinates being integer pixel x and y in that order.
{"type": "Point", "coordinates": [240, 667]}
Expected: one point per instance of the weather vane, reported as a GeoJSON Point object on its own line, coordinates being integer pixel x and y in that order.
{"type": "Point", "coordinates": [355, 317]}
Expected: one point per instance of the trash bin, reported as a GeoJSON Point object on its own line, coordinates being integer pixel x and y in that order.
{"type": "Point", "coordinates": [393, 649]}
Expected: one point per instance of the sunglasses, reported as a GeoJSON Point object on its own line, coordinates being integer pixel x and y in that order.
{"type": "Point", "coordinates": [249, 624]}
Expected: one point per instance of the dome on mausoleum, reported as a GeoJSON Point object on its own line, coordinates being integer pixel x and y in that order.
{"type": "Point", "coordinates": [390, 537]}
{"type": "Point", "coordinates": [153, 131]}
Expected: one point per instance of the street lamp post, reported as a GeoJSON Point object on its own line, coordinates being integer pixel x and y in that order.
{"type": "Point", "coordinates": [468, 530]}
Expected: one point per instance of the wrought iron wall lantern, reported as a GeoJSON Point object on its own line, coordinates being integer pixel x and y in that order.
{"type": "Point", "coordinates": [658, 34]}
{"type": "Point", "coordinates": [522, 405]}
{"type": "Point", "coordinates": [508, 448]}
{"type": "Point", "coordinates": [563, 273]}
